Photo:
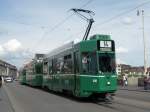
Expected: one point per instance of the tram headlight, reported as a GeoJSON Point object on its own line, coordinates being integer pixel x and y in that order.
{"type": "Point", "coordinates": [108, 83]}
{"type": "Point", "coordinates": [94, 80]}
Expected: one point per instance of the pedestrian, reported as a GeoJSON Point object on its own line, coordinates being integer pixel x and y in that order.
{"type": "Point", "coordinates": [124, 80]}
{"type": "Point", "coordinates": [148, 82]}
{"type": "Point", "coordinates": [145, 83]}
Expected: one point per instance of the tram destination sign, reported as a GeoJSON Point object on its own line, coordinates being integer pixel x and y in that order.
{"type": "Point", "coordinates": [105, 45]}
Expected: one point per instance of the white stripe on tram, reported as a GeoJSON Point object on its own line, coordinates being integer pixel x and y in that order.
{"type": "Point", "coordinates": [90, 76]}
{"type": "Point", "coordinates": [83, 75]}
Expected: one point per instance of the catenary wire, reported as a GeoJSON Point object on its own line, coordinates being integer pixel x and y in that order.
{"type": "Point", "coordinates": [59, 24]}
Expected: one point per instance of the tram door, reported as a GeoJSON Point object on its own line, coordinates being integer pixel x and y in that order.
{"type": "Point", "coordinates": [76, 62]}
{"type": "Point", "coordinates": [76, 69]}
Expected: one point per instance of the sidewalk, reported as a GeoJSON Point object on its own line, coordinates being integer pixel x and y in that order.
{"type": "Point", "coordinates": [5, 105]}
{"type": "Point", "coordinates": [133, 88]}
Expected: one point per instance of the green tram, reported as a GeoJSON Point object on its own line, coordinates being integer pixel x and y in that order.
{"type": "Point", "coordinates": [84, 69]}
{"type": "Point", "coordinates": [34, 71]}
{"type": "Point", "coordinates": [22, 76]}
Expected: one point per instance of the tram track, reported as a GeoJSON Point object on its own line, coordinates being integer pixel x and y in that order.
{"type": "Point", "coordinates": [124, 105]}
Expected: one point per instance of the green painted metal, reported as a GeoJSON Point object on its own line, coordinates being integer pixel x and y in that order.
{"type": "Point", "coordinates": [87, 84]}
{"type": "Point", "coordinates": [22, 77]}
{"type": "Point", "coordinates": [34, 80]}
{"type": "Point", "coordinates": [83, 85]}
{"type": "Point", "coordinates": [34, 76]}
{"type": "Point", "coordinates": [59, 82]}
{"type": "Point", "coordinates": [88, 46]}
{"type": "Point", "coordinates": [100, 37]}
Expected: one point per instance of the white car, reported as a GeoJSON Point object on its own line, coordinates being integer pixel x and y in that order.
{"type": "Point", "coordinates": [8, 79]}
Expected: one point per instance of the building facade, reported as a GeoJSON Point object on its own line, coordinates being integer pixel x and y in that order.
{"type": "Point", "coordinates": [7, 69]}
{"type": "Point", "coordinates": [123, 69]}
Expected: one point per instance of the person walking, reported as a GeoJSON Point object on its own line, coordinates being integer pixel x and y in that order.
{"type": "Point", "coordinates": [125, 83]}
{"type": "Point", "coordinates": [0, 81]}
{"type": "Point", "coordinates": [145, 83]}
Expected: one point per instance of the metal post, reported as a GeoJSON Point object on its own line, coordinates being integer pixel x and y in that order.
{"type": "Point", "coordinates": [144, 43]}
{"type": "Point", "coordinates": [88, 29]}
{"type": "Point", "coordinates": [77, 11]}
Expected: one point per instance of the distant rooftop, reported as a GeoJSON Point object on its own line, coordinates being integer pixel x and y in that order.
{"type": "Point", "coordinates": [4, 63]}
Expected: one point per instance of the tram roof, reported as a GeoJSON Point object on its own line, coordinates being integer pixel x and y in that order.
{"type": "Point", "coordinates": [60, 49]}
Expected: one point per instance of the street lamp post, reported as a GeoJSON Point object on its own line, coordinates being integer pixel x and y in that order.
{"type": "Point", "coordinates": [144, 42]}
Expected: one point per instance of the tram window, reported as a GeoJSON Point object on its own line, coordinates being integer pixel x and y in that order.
{"type": "Point", "coordinates": [92, 63]}
{"type": "Point", "coordinates": [76, 62]}
{"type": "Point", "coordinates": [23, 72]}
{"type": "Point", "coordinates": [58, 65]}
{"type": "Point", "coordinates": [113, 46]}
{"type": "Point", "coordinates": [38, 68]}
{"type": "Point", "coordinates": [61, 66]}
{"type": "Point", "coordinates": [30, 71]}
{"type": "Point", "coordinates": [50, 67]}
{"type": "Point", "coordinates": [89, 63]}
{"type": "Point", "coordinates": [85, 63]}
{"type": "Point", "coordinates": [55, 66]}
{"type": "Point", "coordinates": [67, 65]}
{"type": "Point", "coordinates": [106, 64]}
{"type": "Point", "coordinates": [45, 67]}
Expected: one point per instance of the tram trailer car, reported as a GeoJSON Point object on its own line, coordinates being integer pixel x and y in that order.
{"type": "Point", "coordinates": [84, 69]}
{"type": "Point", "coordinates": [22, 76]}
{"type": "Point", "coordinates": [34, 71]}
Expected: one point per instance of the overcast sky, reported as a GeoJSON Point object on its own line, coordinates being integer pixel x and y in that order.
{"type": "Point", "coordinates": [30, 26]}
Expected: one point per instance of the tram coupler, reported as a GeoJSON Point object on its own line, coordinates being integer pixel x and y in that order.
{"type": "Point", "coordinates": [109, 97]}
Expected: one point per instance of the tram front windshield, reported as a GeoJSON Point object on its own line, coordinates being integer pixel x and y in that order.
{"type": "Point", "coordinates": [106, 63]}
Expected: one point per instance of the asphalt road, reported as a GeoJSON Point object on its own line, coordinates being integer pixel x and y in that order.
{"type": "Point", "coordinates": [27, 99]}
{"type": "Point", "coordinates": [5, 104]}
{"type": "Point", "coordinates": [136, 95]}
